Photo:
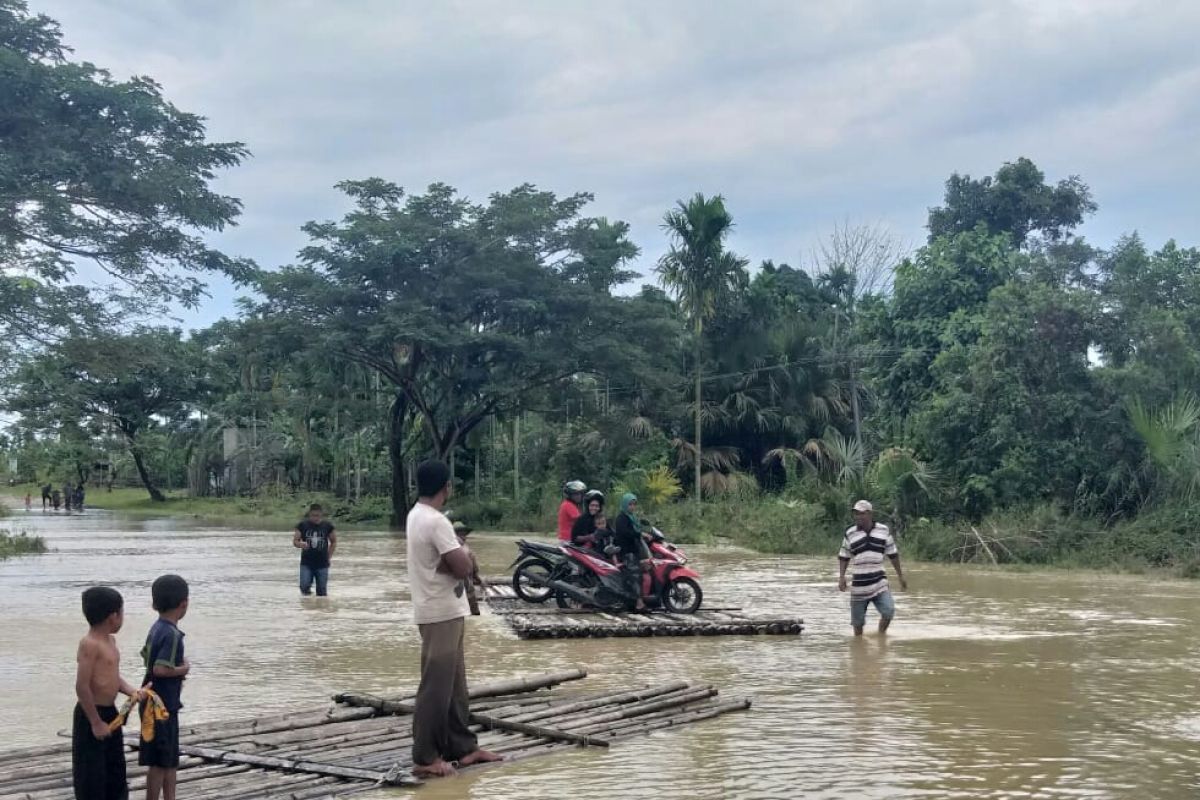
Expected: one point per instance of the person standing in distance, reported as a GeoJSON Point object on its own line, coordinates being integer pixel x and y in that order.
{"type": "Point", "coordinates": [438, 565]}
{"type": "Point", "coordinates": [316, 539]}
{"type": "Point", "coordinates": [866, 544]}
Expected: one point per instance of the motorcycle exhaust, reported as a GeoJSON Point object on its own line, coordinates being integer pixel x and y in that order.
{"type": "Point", "coordinates": [571, 591]}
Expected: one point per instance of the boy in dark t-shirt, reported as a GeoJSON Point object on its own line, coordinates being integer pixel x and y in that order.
{"type": "Point", "coordinates": [317, 540]}
{"type": "Point", "coordinates": [166, 667]}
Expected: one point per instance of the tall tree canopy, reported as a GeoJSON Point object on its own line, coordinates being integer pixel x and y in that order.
{"type": "Point", "coordinates": [701, 273]}
{"type": "Point", "coordinates": [99, 170]}
{"type": "Point", "coordinates": [465, 309]}
{"type": "Point", "coordinates": [1016, 202]}
{"type": "Point", "coordinates": [126, 383]}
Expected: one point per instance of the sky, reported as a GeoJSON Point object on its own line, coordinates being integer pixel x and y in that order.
{"type": "Point", "coordinates": [803, 115]}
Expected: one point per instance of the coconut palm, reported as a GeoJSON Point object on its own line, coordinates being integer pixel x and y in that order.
{"type": "Point", "coordinates": [700, 272]}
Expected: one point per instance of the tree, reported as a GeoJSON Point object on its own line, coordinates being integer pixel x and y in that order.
{"type": "Point", "coordinates": [854, 263]}
{"type": "Point", "coordinates": [465, 310]}
{"type": "Point", "coordinates": [95, 169]}
{"type": "Point", "coordinates": [1016, 413]}
{"type": "Point", "coordinates": [1016, 202]}
{"type": "Point", "coordinates": [126, 382]}
{"type": "Point", "coordinates": [700, 272]}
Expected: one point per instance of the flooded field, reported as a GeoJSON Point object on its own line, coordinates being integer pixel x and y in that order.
{"type": "Point", "coordinates": [992, 685]}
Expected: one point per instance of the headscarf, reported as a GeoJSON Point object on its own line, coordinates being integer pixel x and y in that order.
{"type": "Point", "coordinates": [626, 501]}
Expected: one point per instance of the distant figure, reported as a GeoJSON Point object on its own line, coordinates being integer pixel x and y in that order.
{"type": "Point", "coordinates": [863, 551]}
{"type": "Point", "coordinates": [68, 495]}
{"type": "Point", "coordinates": [79, 497]}
{"type": "Point", "coordinates": [438, 564]}
{"type": "Point", "coordinates": [46, 496]}
{"type": "Point", "coordinates": [28, 502]}
{"type": "Point", "coordinates": [317, 541]}
{"type": "Point", "coordinates": [56, 499]}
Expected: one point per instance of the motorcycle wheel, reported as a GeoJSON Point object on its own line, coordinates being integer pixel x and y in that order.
{"type": "Point", "coordinates": [682, 596]}
{"type": "Point", "coordinates": [531, 592]}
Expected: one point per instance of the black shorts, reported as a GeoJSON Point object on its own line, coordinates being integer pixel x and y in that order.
{"type": "Point", "coordinates": [97, 765]}
{"type": "Point", "coordinates": [163, 751]}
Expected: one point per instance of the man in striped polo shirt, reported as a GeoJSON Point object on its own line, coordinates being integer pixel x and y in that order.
{"type": "Point", "coordinates": [863, 550]}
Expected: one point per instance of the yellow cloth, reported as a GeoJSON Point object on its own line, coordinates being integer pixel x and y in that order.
{"type": "Point", "coordinates": [155, 710]}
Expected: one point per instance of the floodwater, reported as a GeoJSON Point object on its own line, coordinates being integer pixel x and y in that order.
{"type": "Point", "coordinates": [991, 685]}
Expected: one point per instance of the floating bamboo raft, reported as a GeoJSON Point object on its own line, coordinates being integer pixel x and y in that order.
{"type": "Point", "coordinates": [363, 741]}
{"type": "Point", "coordinates": [547, 621]}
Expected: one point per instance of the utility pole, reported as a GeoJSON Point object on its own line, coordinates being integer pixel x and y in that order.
{"type": "Point", "coordinates": [517, 458]}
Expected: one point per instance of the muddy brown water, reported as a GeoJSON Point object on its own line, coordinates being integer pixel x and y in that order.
{"type": "Point", "coordinates": [991, 685]}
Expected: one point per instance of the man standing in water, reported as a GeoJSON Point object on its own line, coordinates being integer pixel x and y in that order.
{"type": "Point", "coordinates": [316, 540]}
{"type": "Point", "coordinates": [438, 566]}
{"type": "Point", "coordinates": [863, 549]}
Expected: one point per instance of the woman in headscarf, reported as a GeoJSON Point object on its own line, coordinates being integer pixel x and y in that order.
{"type": "Point", "coordinates": [585, 532]}
{"type": "Point", "coordinates": [627, 534]}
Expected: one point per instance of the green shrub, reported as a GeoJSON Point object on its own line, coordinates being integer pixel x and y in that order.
{"type": "Point", "coordinates": [20, 544]}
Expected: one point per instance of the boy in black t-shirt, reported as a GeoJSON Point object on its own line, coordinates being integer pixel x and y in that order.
{"type": "Point", "coordinates": [317, 540]}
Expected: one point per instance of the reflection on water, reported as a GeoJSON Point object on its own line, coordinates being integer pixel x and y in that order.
{"type": "Point", "coordinates": [990, 685]}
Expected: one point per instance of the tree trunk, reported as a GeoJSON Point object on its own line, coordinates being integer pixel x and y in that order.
{"type": "Point", "coordinates": [397, 414]}
{"type": "Point", "coordinates": [139, 462]}
{"type": "Point", "coordinates": [699, 367]}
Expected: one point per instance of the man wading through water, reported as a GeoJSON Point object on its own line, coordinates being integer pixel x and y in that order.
{"type": "Point", "coordinates": [438, 566]}
{"type": "Point", "coordinates": [863, 550]}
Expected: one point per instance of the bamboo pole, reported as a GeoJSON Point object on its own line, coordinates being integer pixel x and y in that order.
{"type": "Point", "coordinates": [537, 730]}
{"type": "Point", "coordinates": [272, 762]}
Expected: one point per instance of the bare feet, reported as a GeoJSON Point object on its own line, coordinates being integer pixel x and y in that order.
{"type": "Point", "coordinates": [438, 769]}
{"type": "Point", "coordinates": [479, 757]}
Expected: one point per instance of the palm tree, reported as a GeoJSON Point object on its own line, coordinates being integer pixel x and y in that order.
{"type": "Point", "coordinates": [699, 271]}
{"type": "Point", "coordinates": [1171, 436]}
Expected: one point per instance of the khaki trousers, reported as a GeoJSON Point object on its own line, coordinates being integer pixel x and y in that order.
{"type": "Point", "coordinates": [440, 719]}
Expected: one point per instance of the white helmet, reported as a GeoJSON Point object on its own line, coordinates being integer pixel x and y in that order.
{"type": "Point", "coordinates": [574, 487]}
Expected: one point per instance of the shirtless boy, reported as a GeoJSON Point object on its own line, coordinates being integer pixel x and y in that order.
{"type": "Point", "coordinates": [98, 754]}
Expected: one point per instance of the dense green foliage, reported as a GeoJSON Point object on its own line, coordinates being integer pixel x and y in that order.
{"type": "Point", "coordinates": [100, 172]}
{"type": "Point", "coordinates": [1005, 392]}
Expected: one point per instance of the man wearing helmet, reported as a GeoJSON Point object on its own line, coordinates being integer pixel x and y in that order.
{"type": "Point", "coordinates": [569, 510]}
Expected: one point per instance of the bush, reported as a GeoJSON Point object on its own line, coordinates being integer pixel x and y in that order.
{"type": "Point", "coordinates": [20, 544]}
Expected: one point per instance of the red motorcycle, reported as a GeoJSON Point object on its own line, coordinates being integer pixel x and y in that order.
{"type": "Point", "coordinates": [598, 581]}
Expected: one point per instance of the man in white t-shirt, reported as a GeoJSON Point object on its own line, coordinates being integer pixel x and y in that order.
{"type": "Point", "coordinates": [438, 565]}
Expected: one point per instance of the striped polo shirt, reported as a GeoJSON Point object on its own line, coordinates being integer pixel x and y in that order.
{"type": "Point", "coordinates": [865, 551]}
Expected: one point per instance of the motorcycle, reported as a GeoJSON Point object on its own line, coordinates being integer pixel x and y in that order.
{"type": "Point", "coordinates": [535, 564]}
{"type": "Point", "coordinates": [598, 581]}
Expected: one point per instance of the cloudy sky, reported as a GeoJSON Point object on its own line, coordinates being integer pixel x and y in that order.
{"type": "Point", "coordinates": [803, 114]}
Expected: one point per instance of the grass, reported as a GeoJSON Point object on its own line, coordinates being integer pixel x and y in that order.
{"type": "Point", "coordinates": [1160, 539]}
{"type": "Point", "coordinates": [20, 545]}
{"type": "Point", "coordinates": [266, 511]}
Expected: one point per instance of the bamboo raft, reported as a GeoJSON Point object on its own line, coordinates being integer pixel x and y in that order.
{"type": "Point", "coordinates": [363, 741]}
{"type": "Point", "coordinates": [547, 621]}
